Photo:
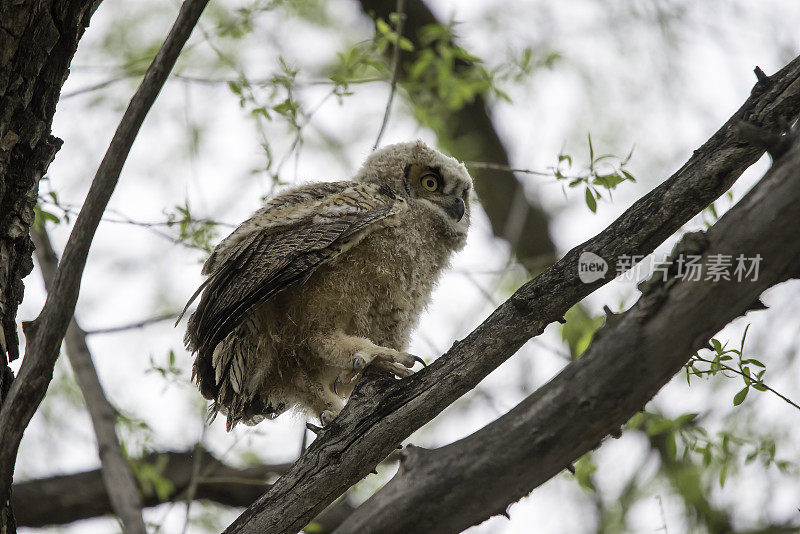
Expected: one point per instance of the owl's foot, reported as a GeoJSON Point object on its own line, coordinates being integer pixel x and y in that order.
{"type": "Point", "coordinates": [397, 363]}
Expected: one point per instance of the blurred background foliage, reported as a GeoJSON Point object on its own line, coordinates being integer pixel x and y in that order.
{"type": "Point", "coordinates": [564, 113]}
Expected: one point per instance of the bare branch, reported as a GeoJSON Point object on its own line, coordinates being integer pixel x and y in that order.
{"type": "Point", "coordinates": [117, 477]}
{"type": "Point", "coordinates": [505, 168]}
{"type": "Point", "coordinates": [401, 21]}
{"type": "Point", "coordinates": [46, 332]}
{"type": "Point", "coordinates": [132, 326]}
{"type": "Point", "coordinates": [67, 498]}
{"type": "Point", "coordinates": [382, 412]}
{"type": "Point", "coordinates": [627, 363]}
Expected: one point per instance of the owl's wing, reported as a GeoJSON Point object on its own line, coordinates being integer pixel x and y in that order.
{"type": "Point", "coordinates": [280, 246]}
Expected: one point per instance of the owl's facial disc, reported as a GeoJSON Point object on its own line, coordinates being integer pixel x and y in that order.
{"type": "Point", "coordinates": [446, 195]}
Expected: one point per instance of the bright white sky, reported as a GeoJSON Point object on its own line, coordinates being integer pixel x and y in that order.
{"type": "Point", "coordinates": [624, 91]}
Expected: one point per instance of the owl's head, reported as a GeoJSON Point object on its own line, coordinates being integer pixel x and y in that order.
{"type": "Point", "coordinates": [429, 180]}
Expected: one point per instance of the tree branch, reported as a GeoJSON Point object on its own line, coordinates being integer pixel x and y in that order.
{"type": "Point", "coordinates": [382, 412]}
{"type": "Point", "coordinates": [627, 363]}
{"type": "Point", "coordinates": [117, 477]}
{"type": "Point", "coordinates": [64, 499]}
{"type": "Point", "coordinates": [44, 335]}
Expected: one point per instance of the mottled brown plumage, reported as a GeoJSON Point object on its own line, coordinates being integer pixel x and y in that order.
{"type": "Point", "coordinates": [324, 280]}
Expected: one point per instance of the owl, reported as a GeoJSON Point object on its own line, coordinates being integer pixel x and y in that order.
{"type": "Point", "coordinates": [326, 280]}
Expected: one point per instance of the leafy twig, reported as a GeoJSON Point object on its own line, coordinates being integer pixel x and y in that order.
{"type": "Point", "coordinates": [756, 383]}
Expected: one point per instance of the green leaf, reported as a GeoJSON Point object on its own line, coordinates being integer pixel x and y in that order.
{"type": "Point", "coordinates": [685, 418]}
{"type": "Point", "coordinates": [739, 397]}
{"type": "Point", "coordinates": [609, 181]}
{"type": "Point", "coordinates": [591, 201]}
{"type": "Point", "coordinates": [660, 426]}
{"type": "Point", "coordinates": [671, 446]}
{"type": "Point", "coordinates": [314, 528]}
{"type": "Point", "coordinates": [383, 27]}
{"type": "Point", "coordinates": [723, 474]}
{"type": "Point", "coordinates": [579, 329]}
{"type": "Point", "coordinates": [405, 44]}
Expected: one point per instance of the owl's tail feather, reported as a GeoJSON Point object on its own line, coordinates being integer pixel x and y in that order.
{"type": "Point", "coordinates": [233, 377]}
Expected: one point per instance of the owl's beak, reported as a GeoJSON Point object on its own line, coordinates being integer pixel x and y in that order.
{"type": "Point", "coordinates": [456, 209]}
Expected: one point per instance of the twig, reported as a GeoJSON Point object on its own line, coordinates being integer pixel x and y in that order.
{"type": "Point", "coordinates": [118, 480]}
{"type": "Point", "coordinates": [506, 168]}
{"type": "Point", "coordinates": [151, 226]}
{"type": "Point", "coordinates": [753, 380]}
{"type": "Point", "coordinates": [663, 515]}
{"type": "Point", "coordinates": [95, 87]}
{"type": "Point", "coordinates": [191, 491]}
{"type": "Point", "coordinates": [298, 134]}
{"type": "Point", "coordinates": [132, 326]}
{"type": "Point", "coordinates": [45, 333]}
{"type": "Point", "coordinates": [401, 20]}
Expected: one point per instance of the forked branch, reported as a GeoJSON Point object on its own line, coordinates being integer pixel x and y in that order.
{"type": "Point", "coordinates": [381, 413]}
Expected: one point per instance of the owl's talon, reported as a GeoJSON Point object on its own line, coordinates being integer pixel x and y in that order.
{"type": "Point", "coordinates": [335, 383]}
{"type": "Point", "coordinates": [326, 417]}
{"type": "Point", "coordinates": [394, 368]}
{"type": "Point", "coordinates": [420, 360]}
{"type": "Point", "coordinates": [359, 364]}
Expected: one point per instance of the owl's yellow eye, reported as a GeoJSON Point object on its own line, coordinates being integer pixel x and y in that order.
{"type": "Point", "coordinates": [430, 182]}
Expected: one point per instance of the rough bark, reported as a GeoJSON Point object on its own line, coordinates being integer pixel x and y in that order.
{"type": "Point", "coordinates": [44, 335]}
{"type": "Point", "coordinates": [466, 482]}
{"type": "Point", "coordinates": [37, 43]}
{"type": "Point", "coordinates": [117, 476]}
{"type": "Point", "coordinates": [468, 133]}
{"type": "Point", "coordinates": [381, 412]}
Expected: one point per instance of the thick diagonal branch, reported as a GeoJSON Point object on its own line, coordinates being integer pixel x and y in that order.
{"type": "Point", "coordinates": [44, 335]}
{"type": "Point", "coordinates": [119, 482]}
{"type": "Point", "coordinates": [625, 366]}
{"type": "Point", "coordinates": [382, 412]}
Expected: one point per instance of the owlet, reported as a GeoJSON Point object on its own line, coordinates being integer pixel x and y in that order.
{"type": "Point", "coordinates": [323, 281]}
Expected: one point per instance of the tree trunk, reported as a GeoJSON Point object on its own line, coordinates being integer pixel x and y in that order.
{"type": "Point", "coordinates": [37, 43]}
